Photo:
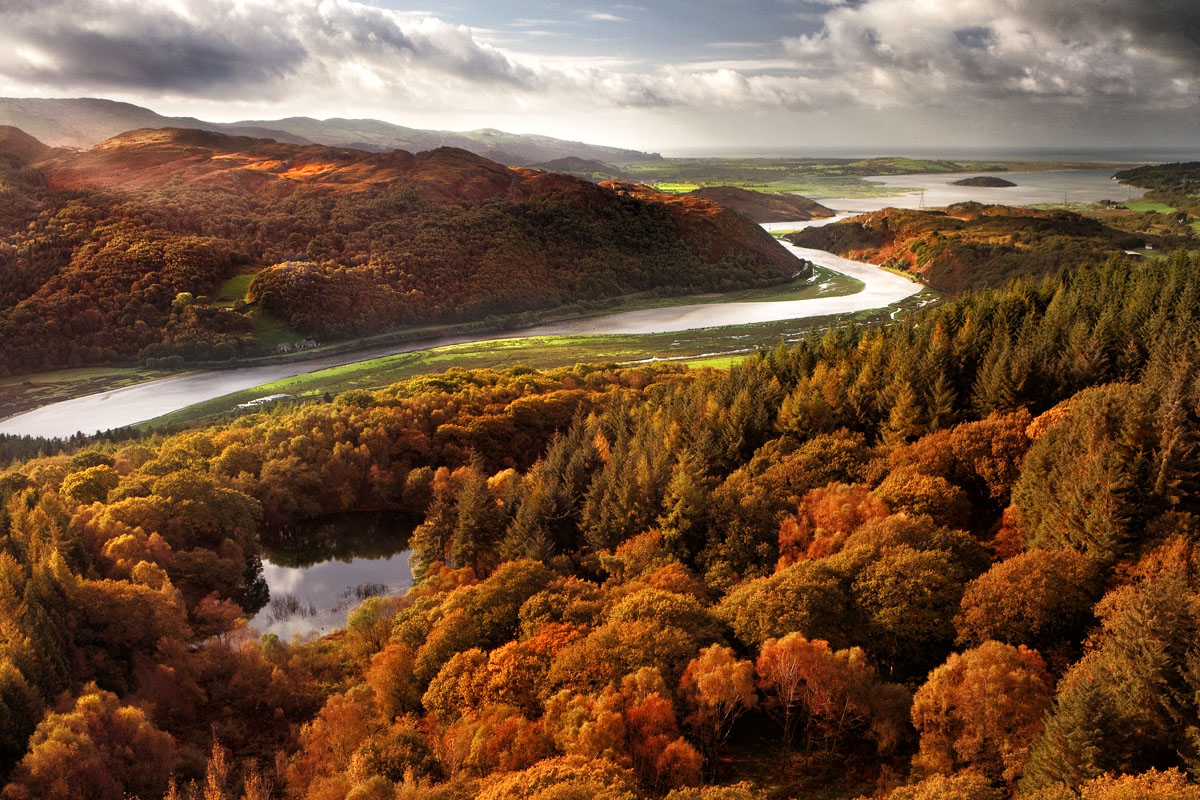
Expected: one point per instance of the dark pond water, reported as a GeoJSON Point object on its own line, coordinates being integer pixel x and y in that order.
{"type": "Point", "coordinates": [318, 572]}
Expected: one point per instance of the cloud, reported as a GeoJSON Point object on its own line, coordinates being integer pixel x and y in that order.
{"type": "Point", "coordinates": [1134, 54]}
{"type": "Point", "coordinates": [603, 16]}
{"type": "Point", "coordinates": [115, 46]}
{"type": "Point", "coordinates": [1140, 53]}
{"type": "Point", "coordinates": [251, 48]}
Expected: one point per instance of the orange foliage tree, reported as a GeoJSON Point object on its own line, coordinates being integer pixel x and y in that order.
{"type": "Point", "coordinates": [982, 709]}
{"type": "Point", "coordinates": [825, 518]}
{"type": "Point", "coordinates": [719, 688]}
{"type": "Point", "coordinates": [98, 750]}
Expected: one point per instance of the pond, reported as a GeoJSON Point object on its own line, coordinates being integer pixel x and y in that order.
{"type": "Point", "coordinates": [319, 571]}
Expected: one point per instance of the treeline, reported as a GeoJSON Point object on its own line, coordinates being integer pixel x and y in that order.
{"type": "Point", "coordinates": [91, 275]}
{"type": "Point", "coordinates": [952, 558]}
{"type": "Point", "coordinates": [969, 246]}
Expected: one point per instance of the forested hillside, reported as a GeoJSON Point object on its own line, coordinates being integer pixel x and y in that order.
{"type": "Point", "coordinates": [198, 245]}
{"type": "Point", "coordinates": [956, 557]}
{"type": "Point", "coordinates": [969, 246]}
{"type": "Point", "coordinates": [764, 206]}
{"type": "Point", "coordinates": [1176, 185]}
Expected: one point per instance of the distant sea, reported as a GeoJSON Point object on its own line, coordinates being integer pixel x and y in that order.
{"type": "Point", "coordinates": [1108, 155]}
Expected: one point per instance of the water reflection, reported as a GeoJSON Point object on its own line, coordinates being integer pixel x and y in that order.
{"type": "Point", "coordinates": [319, 571]}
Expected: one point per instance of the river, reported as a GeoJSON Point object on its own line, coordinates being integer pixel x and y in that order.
{"type": "Point", "coordinates": [133, 404]}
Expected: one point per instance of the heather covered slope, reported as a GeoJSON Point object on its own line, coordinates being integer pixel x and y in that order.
{"type": "Point", "coordinates": [972, 246]}
{"type": "Point", "coordinates": [124, 250]}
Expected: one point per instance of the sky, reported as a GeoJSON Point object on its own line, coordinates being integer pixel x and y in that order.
{"type": "Point", "coordinates": [672, 76]}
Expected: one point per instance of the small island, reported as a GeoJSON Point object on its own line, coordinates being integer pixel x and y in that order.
{"type": "Point", "coordinates": [990, 181]}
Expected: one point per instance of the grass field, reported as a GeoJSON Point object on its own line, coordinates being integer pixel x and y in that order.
{"type": "Point", "coordinates": [232, 290]}
{"type": "Point", "coordinates": [271, 331]}
{"type": "Point", "coordinates": [1159, 208]}
{"type": "Point", "coordinates": [720, 362]}
{"type": "Point", "coordinates": [1078, 208]}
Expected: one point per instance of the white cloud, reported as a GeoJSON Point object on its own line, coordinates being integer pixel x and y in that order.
{"type": "Point", "coordinates": [603, 16]}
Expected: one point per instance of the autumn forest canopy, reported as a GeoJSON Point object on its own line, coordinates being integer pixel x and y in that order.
{"type": "Point", "coordinates": [954, 557]}
{"type": "Point", "coordinates": [817, 419]}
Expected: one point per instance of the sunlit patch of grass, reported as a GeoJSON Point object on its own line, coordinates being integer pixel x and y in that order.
{"type": "Point", "coordinates": [1078, 208]}
{"type": "Point", "coordinates": [676, 188]}
{"type": "Point", "coordinates": [1158, 208]}
{"type": "Point", "coordinates": [718, 362]}
{"type": "Point", "coordinates": [232, 290]}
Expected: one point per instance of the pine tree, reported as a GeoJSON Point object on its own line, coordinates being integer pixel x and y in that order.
{"type": "Point", "coordinates": [685, 508]}
{"type": "Point", "coordinates": [906, 417]}
{"type": "Point", "coordinates": [478, 524]}
{"type": "Point", "coordinates": [45, 621]}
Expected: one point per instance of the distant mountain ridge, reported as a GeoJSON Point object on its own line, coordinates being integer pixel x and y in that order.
{"type": "Point", "coordinates": [85, 122]}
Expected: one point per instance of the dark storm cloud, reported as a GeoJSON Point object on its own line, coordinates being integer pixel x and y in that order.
{"type": "Point", "coordinates": [188, 63]}
{"type": "Point", "coordinates": [1168, 27]}
{"type": "Point", "coordinates": [222, 47]}
{"type": "Point", "coordinates": [122, 45]}
{"type": "Point", "coordinates": [1141, 52]}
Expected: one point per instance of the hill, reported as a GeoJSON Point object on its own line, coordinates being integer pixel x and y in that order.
{"type": "Point", "coordinates": [1182, 177]}
{"type": "Point", "coordinates": [1174, 185]}
{"type": "Point", "coordinates": [21, 145]}
{"type": "Point", "coordinates": [586, 168]}
{"type": "Point", "coordinates": [987, 181]}
{"type": "Point", "coordinates": [85, 122]}
{"type": "Point", "coordinates": [971, 246]}
{"type": "Point", "coordinates": [506, 148]}
{"type": "Point", "coordinates": [764, 206]}
{"type": "Point", "coordinates": [188, 244]}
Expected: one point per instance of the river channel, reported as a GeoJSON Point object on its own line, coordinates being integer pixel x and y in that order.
{"type": "Point", "coordinates": [134, 404]}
